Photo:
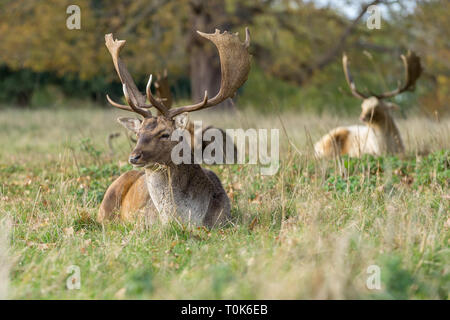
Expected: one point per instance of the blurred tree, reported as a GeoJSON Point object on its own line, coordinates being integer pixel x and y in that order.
{"type": "Point", "coordinates": [293, 41]}
{"type": "Point", "coordinates": [161, 32]}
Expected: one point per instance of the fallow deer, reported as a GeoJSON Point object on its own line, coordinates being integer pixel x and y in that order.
{"type": "Point", "coordinates": [128, 194]}
{"type": "Point", "coordinates": [380, 134]}
{"type": "Point", "coordinates": [185, 191]}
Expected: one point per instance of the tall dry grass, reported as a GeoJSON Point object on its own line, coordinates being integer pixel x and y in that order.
{"type": "Point", "coordinates": [297, 234]}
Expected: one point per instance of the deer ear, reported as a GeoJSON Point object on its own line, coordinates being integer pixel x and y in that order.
{"type": "Point", "coordinates": [181, 120]}
{"type": "Point", "coordinates": [392, 106]}
{"type": "Point", "coordinates": [131, 124]}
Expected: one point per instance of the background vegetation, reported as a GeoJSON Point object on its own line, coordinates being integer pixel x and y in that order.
{"type": "Point", "coordinates": [310, 231]}
{"type": "Point", "coordinates": [297, 47]}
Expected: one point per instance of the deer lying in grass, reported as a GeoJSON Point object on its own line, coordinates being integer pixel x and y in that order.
{"type": "Point", "coordinates": [128, 194]}
{"type": "Point", "coordinates": [380, 134]}
{"type": "Point", "coordinates": [186, 191]}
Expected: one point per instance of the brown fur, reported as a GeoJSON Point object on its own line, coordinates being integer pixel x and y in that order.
{"type": "Point", "coordinates": [118, 194]}
{"type": "Point", "coordinates": [136, 198]}
{"type": "Point", "coordinates": [337, 143]}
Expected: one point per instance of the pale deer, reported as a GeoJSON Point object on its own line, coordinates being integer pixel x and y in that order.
{"type": "Point", "coordinates": [187, 192]}
{"type": "Point", "coordinates": [380, 134]}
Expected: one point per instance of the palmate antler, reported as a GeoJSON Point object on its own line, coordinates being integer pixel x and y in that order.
{"type": "Point", "coordinates": [235, 67]}
{"type": "Point", "coordinates": [413, 70]}
{"type": "Point", "coordinates": [234, 64]}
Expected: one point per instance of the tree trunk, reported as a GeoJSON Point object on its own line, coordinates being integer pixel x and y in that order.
{"type": "Point", "coordinates": [204, 58]}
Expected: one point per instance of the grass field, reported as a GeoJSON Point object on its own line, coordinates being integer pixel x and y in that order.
{"type": "Point", "coordinates": [308, 232]}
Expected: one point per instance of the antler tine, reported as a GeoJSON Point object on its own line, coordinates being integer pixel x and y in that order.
{"type": "Point", "coordinates": [134, 98]}
{"type": "Point", "coordinates": [247, 38]}
{"type": "Point", "coordinates": [142, 112]}
{"type": "Point", "coordinates": [413, 70]}
{"type": "Point", "coordinates": [130, 107]}
{"type": "Point", "coordinates": [349, 79]}
{"type": "Point", "coordinates": [153, 101]}
{"type": "Point", "coordinates": [194, 107]}
{"type": "Point", "coordinates": [118, 105]}
{"type": "Point", "coordinates": [234, 64]}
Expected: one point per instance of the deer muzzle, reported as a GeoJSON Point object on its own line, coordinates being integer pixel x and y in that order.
{"type": "Point", "coordinates": [135, 157]}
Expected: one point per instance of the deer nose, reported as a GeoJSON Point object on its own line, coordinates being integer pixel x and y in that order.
{"type": "Point", "coordinates": [134, 157]}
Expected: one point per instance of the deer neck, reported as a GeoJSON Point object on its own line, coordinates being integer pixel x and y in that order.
{"type": "Point", "coordinates": [387, 134]}
{"type": "Point", "coordinates": [181, 191]}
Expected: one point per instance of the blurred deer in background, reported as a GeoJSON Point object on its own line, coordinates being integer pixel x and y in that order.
{"type": "Point", "coordinates": [380, 134]}
{"type": "Point", "coordinates": [186, 191]}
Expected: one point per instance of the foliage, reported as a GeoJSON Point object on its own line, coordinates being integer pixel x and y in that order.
{"type": "Point", "coordinates": [366, 173]}
{"type": "Point", "coordinates": [310, 231]}
{"type": "Point", "coordinates": [296, 49]}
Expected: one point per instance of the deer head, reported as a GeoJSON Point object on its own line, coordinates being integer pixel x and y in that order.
{"type": "Point", "coordinates": [154, 143]}
{"type": "Point", "coordinates": [374, 108]}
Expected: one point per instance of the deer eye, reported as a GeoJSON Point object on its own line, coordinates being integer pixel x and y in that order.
{"type": "Point", "coordinates": [164, 136]}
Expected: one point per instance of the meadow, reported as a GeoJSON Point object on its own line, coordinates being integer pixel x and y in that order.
{"type": "Point", "coordinates": [308, 232]}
